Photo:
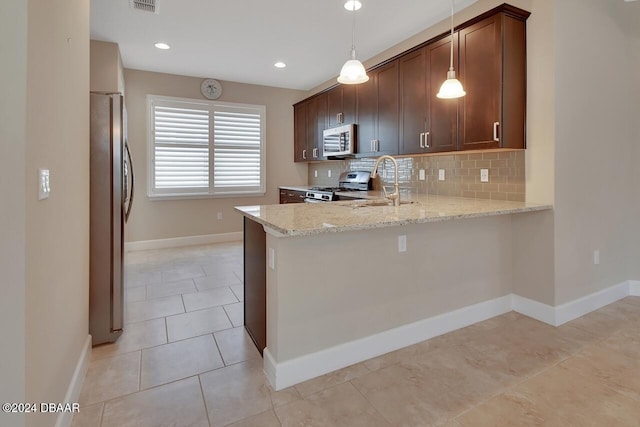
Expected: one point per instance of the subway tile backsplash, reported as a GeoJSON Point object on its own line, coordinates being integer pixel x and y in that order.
{"type": "Point", "coordinates": [461, 170]}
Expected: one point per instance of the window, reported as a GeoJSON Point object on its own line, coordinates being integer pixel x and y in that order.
{"type": "Point", "coordinates": [203, 148]}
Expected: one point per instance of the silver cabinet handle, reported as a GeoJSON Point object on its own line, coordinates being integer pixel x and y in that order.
{"type": "Point", "coordinates": [495, 131]}
{"type": "Point", "coordinates": [426, 140]}
{"type": "Point", "coordinates": [377, 145]}
{"type": "Point", "coordinates": [371, 146]}
{"type": "Point", "coordinates": [339, 118]}
{"type": "Point", "coordinates": [304, 154]}
{"type": "Point", "coordinates": [422, 140]}
{"type": "Point", "coordinates": [315, 153]}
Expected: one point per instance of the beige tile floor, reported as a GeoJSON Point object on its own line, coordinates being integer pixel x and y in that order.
{"type": "Point", "coordinates": [185, 360]}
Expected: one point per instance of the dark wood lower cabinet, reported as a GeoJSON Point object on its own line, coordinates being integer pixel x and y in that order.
{"type": "Point", "coordinates": [255, 283]}
{"type": "Point", "coordinates": [292, 196]}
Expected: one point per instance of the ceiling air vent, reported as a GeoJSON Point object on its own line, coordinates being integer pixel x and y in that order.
{"type": "Point", "coordinates": [145, 5]}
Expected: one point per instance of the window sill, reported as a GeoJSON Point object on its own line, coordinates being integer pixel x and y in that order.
{"type": "Point", "coordinates": [186, 196]}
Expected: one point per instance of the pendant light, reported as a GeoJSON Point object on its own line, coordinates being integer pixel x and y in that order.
{"type": "Point", "coordinates": [451, 88]}
{"type": "Point", "coordinates": [353, 71]}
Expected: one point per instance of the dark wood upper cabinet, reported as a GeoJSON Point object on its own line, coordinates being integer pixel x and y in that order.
{"type": "Point", "coordinates": [378, 112]}
{"type": "Point", "coordinates": [316, 124]}
{"type": "Point", "coordinates": [397, 110]}
{"type": "Point", "coordinates": [310, 120]}
{"type": "Point", "coordinates": [493, 73]}
{"type": "Point", "coordinates": [427, 124]}
{"type": "Point", "coordinates": [300, 132]}
{"type": "Point", "coordinates": [341, 101]}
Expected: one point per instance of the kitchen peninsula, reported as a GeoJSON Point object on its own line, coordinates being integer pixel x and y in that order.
{"type": "Point", "coordinates": [347, 281]}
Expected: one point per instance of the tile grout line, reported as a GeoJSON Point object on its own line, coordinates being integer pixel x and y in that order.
{"type": "Point", "coordinates": [204, 400]}
{"type": "Point", "coordinates": [102, 414]}
{"type": "Point", "coordinates": [367, 400]}
{"type": "Point", "coordinates": [523, 380]}
{"type": "Point", "coordinates": [224, 362]}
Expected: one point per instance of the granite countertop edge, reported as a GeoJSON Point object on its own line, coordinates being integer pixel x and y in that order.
{"type": "Point", "coordinates": [426, 216]}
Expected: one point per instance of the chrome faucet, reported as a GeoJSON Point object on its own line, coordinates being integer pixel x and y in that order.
{"type": "Point", "coordinates": [395, 196]}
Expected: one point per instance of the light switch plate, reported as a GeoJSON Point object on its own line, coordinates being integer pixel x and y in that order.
{"type": "Point", "coordinates": [44, 187]}
{"type": "Point", "coordinates": [315, 173]}
{"type": "Point", "coordinates": [440, 174]}
{"type": "Point", "coordinates": [329, 173]}
{"type": "Point", "coordinates": [484, 175]}
{"type": "Point", "coordinates": [421, 175]}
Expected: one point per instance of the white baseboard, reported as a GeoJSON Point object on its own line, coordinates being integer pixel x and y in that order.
{"type": "Point", "coordinates": [534, 309]}
{"type": "Point", "coordinates": [294, 371]}
{"type": "Point", "coordinates": [73, 392]}
{"type": "Point", "coordinates": [567, 312]}
{"type": "Point", "coordinates": [303, 368]}
{"type": "Point", "coordinates": [634, 288]}
{"type": "Point", "coordinates": [577, 308]}
{"type": "Point", "coordinates": [143, 245]}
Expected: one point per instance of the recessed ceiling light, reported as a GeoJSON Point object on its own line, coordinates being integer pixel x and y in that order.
{"type": "Point", "coordinates": [349, 5]}
{"type": "Point", "coordinates": [279, 64]}
{"type": "Point", "coordinates": [162, 46]}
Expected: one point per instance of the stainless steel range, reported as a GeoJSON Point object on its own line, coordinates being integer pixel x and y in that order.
{"type": "Point", "coordinates": [348, 181]}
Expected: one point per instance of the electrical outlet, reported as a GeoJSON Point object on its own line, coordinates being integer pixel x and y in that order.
{"type": "Point", "coordinates": [421, 174]}
{"type": "Point", "coordinates": [402, 243]}
{"type": "Point", "coordinates": [219, 215]}
{"type": "Point", "coordinates": [315, 173]}
{"type": "Point", "coordinates": [329, 173]}
{"type": "Point", "coordinates": [484, 175]}
{"type": "Point", "coordinates": [596, 257]}
{"type": "Point", "coordinates": [43, 184]}
{"type": "Point", "coordinates": [272, 258]}
{"type": "Point", "coordinates": [440, 174]}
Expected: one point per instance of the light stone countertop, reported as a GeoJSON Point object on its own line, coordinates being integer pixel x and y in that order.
{"type": "Point", "coordinates": [307, 219]}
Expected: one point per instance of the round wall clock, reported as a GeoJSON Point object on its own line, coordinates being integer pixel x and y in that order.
{"type": "Point", "coordinates": [211, 89]}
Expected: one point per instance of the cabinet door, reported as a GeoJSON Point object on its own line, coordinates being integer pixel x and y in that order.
{"type": "Point", "coordinates": [367, 105]}
{"type": "Point", "coordinates": [514, 84]}
{"type": "Point", "coordinates": [315, 145]}
{"type": "Point", "coordinates": [341, 105]}
{"type": "Point", "coordinates": [442, 114]}
{"type": "Point", "coordinates": [300, 132]}
{"type": "Point", "coordinates": [388, 105]}
{"type": "Point", "coordinates": [481, 75]}
{"type": "Point", "coordinates": [348, 104]}
{"type": "Point", "coordinates": [413, 102]}
{"type": "Point", "coordinates": [334, 106]}
{"type": "Point", "coordinates": [316, 124]}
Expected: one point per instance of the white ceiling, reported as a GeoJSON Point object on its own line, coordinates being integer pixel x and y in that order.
{"type": "Point", "coordinates": [241, 40]}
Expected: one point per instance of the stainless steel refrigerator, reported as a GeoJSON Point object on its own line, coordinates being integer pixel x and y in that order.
{"type": "Point", "coordinates": [111, 187]}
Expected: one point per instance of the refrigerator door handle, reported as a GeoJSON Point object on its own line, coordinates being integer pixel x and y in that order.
{"type": "Point", "coordinates": [129, 197]}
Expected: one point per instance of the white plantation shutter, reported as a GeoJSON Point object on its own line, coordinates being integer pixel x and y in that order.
{"type": "Point", "coordinates": [202, 148]}
{"type": "Point", "coordinates": [181, 147]}
{"type": "Point", "coordinates": [237, 149]}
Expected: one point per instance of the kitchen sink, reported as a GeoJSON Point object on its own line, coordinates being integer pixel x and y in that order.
{"type": "Point", "coordinates": [376, 202]}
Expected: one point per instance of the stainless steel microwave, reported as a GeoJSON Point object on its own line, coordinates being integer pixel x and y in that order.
{"type": "Point", "coordinates": [339, 141]}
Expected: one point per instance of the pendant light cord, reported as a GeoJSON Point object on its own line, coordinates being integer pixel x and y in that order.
{"type": "Point", "coordinates": [353, 31]}
{"type": "Point", "coordinates": [451, 65]}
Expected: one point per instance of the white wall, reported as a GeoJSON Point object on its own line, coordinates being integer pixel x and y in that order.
{"type": "Point", "coordinates": [57, 237]}
{"type": "Point", "coordinates": [596, 115]}
{"type": "Point", "coordinates": [161, 219]}
{"type": "Point", "coordinates": [634, 259]}
{"type": "Point", "coordinates": [441, 271]}
{"type": "Point", "coordinates": [107, 72]}
{"type": "Point", "coordinates": [13, 86]}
